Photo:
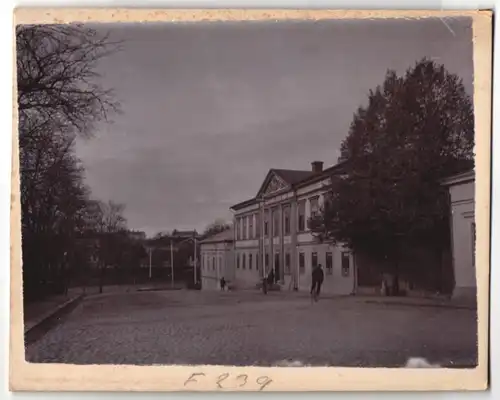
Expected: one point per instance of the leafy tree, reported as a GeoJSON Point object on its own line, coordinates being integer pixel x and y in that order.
{"type": "Point", "coordinates": [216, 227]}
{"type": "Point", "coordinates": [415, 130]}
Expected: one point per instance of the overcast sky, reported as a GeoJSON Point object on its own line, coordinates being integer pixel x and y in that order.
{"type": "Point", "coordinates": [209, 108]}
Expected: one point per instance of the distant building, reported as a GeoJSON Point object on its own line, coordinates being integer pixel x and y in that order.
{"type": "Point", "coordinates": [137, 235]}
{"type": "Point", "coordinates": [271, 232]}
{"type": "Point", "coordinates": [177, 247]}
{"type": "Point", "coordinates": [217, 259]}
{"type": "Point", "coordinates": [463, 231]}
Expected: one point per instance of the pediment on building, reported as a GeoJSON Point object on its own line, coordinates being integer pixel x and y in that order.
{"type": "Point", "coordinates": [272, 184]}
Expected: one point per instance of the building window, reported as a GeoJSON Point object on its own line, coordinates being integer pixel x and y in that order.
{"type": "Point", "coordinates": [276, 223]}
{"type": "Point", "coordinates": [277, 269]}
{"type": "Point", "coordinates": [244, 234]}
{"type": "Point", "coordinates": [220, 264]}
{"type": "Point", "coordinates": [213, 264]}
{"type": "Point", "coordinates": [238, 228]}
{"type": "Point", "coordinates": [257, 263]}
{"type": "Point", "coordinates": [287, 264]}
{"type": "Point", "coordinates": [237, 261]}
{"type": "Point", "coordinates": [250, 261]}
{"type": "Point", "coordinates": [286, 220]}
{"type": "Point", "coordinates": [250, 227]}
{"type": "Point", "coordinates": [266, 223]}
{"type": "Point", "coordinates": [257, 226]}
{"type": "Point", "coordinates": [329, 263]}
{"type": "Point", "coordinates": [473, 235]}
{"type": "Point", "coordinates": [243, 264]}
{"type": "Point", "coordinates": [314, 206]}
{"type": "Point", "coordinates": [302, 263]}
{"type": "Point", "coordinates": [345, 263]}
{"type": "Point", "coordinates": [314, 259]}
{"type": "Point", "coordinates": [301, 216]}
{"type": "Point", "coordinates": [266, 260]}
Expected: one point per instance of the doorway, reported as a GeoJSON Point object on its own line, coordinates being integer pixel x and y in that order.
{"type": "Point", "coordinates": [277, 276]}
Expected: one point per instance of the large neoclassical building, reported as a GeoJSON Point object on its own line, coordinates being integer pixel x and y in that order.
{"type": "Point", "coordinates": [271, 232]}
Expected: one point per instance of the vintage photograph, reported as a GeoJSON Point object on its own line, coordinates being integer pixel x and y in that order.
{"type": "Point", "coordinates": [249, 193]}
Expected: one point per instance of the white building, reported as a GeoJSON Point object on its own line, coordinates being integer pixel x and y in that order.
{"type": "Point", "coordinates": [271, 232]}
{"type": "Point", "coordinates": [217, 260]}
{"type": "Point", "coordinates": [463, 231]}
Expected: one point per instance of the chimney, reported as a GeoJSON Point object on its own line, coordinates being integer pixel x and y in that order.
{"type": "Point", "coordinates": [317, 166]}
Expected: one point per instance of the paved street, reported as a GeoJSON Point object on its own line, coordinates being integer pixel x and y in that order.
{"type": "Point", "coordinates": [190, 327]}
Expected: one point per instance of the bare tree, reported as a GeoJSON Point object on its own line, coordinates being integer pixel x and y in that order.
{"type": "Point", "coordinates": [106, 222]}
{"type": "Point", "coordinates": [59, 97]}
{"type": "Point", "coordinates": [57, 82]}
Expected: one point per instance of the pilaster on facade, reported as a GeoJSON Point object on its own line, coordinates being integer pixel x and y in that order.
{"type": "Point", "coordinates": [308, 211]}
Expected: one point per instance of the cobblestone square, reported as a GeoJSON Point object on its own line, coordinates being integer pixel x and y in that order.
{"type": "Point", "coordinates": [248, 328]}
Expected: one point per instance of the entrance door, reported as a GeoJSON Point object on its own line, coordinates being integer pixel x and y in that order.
{"type": "Point", "coordinates": [277, 277]}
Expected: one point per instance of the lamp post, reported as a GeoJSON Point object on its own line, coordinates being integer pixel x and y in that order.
{"type": "Point", "coordinates": [195, 263]}
{"type": "Point", "coordinates": [172, 262]}
{"type": "Point", "coordinates": [150, 251]}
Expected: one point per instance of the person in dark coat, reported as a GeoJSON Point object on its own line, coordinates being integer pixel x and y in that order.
{"type": "Point", "coordinates": [222, 283]}
{"type": "Point", "coordinates": [317, 280]}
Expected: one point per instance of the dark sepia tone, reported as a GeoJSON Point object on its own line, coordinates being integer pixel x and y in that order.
{"type": "Point", "coordinates": [252, 193]}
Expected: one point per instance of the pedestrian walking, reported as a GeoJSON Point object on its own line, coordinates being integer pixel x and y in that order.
{"type": "Point", "coordinates": [222, 283]}
{"type": "Point", "coordinates": [317, 280]}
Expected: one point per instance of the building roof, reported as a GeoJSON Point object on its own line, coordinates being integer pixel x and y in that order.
{"type": "Point", "coordinates": [294, 178]}
{"type": "Point", "coordinates": [224, 236]}
{"type": "Point", "coordinates": [464, 177]}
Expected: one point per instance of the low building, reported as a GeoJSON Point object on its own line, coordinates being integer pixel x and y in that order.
{"type": "Point", "coordinates": [463, 232]}
{"type": "Point", "coordinates": [217, 260]}
{"type": "Point", "coordinates": [271, 232]}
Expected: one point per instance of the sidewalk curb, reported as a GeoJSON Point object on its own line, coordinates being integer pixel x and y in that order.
{"type": "Point", "coordinates": [415, 304]}
{"type": "Point", "coordinates": [158, 289]}
{"type": "Point", "coordinates": [48, 320]}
